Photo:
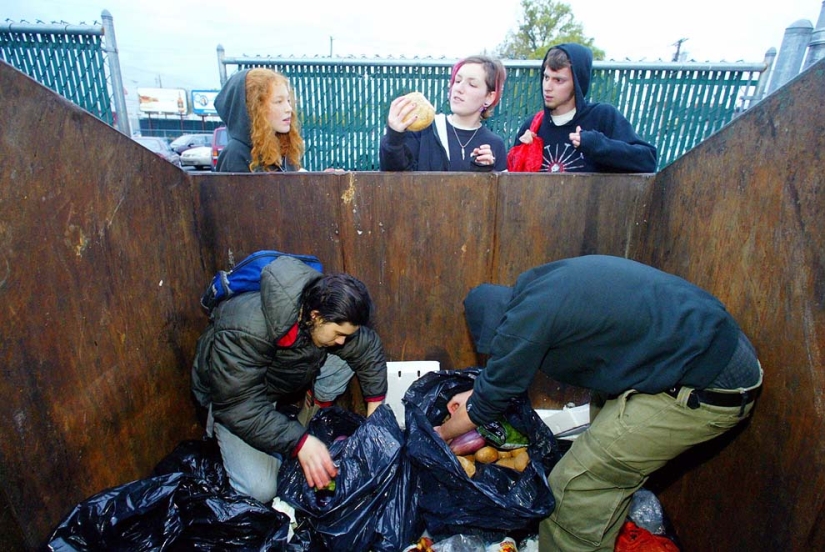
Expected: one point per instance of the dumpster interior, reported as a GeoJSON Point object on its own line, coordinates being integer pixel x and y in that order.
{"type": "Point", "coordinates": [105, 250]}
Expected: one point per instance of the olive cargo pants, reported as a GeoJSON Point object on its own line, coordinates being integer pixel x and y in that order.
{"type": "Point", "coordinates": [632, 436]}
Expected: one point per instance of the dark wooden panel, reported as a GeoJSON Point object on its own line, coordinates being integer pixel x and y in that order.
{"type": "Point", "coordinates": [242, 213]}
{"type": "Point", "coordinates": [420, 241]}
{"type": "Point", "coordinates": [543, 218]}
{"type": "Point", "coordinates": [96, 257]}
{"type": "Point", "coordinates": [742, 216]}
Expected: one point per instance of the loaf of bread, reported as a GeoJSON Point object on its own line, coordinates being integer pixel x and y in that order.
{"type": "Point", "coordinates": [423, 108]}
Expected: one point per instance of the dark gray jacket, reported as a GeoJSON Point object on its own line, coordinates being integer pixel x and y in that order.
{"type": "Point", "coordinates": [241, 370]}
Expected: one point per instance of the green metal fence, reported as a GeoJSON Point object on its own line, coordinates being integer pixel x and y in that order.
{"type": "Point", "coordinates": [79, 62]}
{"type": "Point", "coordinates": [343, 103]}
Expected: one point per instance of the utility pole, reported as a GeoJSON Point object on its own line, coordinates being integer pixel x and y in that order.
{"type": "Point", "coordinates": [678, 45]}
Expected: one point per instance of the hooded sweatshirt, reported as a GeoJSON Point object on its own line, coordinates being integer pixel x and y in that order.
{"type": "Point", "coordinates": [608, 141]}
{"type": "Point", "coordinates": [230, 103]}
{"type": "Point", "coordinates": [603, 323]}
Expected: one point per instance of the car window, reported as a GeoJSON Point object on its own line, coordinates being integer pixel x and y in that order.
{"type": "Point", "coordinates": [153, 144]}
{"type": "Point", "coordinates": [220, 137]}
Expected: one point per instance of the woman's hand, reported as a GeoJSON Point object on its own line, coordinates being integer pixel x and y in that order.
{"type": "Point", "coordinates": [316, 463]}
{"type": "Point", "coordinates": [400, 109]}
{"type": "Point", "coordinates": [483, 155]}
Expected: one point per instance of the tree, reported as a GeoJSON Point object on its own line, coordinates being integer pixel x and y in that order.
{"type": "Point", "coordinates": [544, 23]}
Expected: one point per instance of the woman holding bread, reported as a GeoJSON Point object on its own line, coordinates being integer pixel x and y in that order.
{"type": "Point", "coordinates": [257, 106]}
{"type": "Point", "coordinates": [418, 140]}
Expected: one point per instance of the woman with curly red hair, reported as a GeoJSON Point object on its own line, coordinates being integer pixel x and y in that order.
{"type": "Point", "coordinates": [257, 106]}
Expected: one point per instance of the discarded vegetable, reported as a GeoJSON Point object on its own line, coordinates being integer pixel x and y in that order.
{"type": "Point", "coordinates": [467, 443]}
{"type": "Point", "coordinates": [487, 455]}
{"type": "Point", "coordinates": [469, 467]}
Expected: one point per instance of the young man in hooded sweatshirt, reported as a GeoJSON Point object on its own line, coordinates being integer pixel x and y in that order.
{"type": "Point", "coordinates": [577, 135]}
{"type": "Point", "coordinates": [672, 366]}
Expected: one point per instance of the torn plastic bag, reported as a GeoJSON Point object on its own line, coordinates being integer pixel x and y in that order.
{"type": "Point", "coordinates": [173, 511]}
{"type": "Point", "coordinates": [496, 501]}
{"type": "Point", "coordinates": [373, 505]}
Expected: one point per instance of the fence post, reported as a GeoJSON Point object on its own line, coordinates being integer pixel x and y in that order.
{"type": "Point", "coordinates": [764, 77]}
{"type": "Point", "coordinates": [114, 70]}
{"type": "Point", "coordinates": [816, 49]}
{"type": "Point", "coordinates": [221, 65]}
{"type": "Point", "coordinates": [791, 53]}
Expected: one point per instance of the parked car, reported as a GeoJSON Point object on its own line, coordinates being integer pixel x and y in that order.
{"type": "Point", "coordinates": [219, 139]}
{"type": "Point", "coordinates": [188, 141]}
{"type": "Point", "coordinates": [199, 158]}
{"type": "Point", "coordinates": [160, 148]}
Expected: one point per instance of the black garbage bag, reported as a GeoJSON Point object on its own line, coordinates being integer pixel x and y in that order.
{"type": "Point", "coordinates": [174, 511]}
{"type": "Point", "coordinates": [200, 459]}
{"type": "Point", "coordinates": [496, 501]}
{"type": "Point", "coordinates": [373, 505]}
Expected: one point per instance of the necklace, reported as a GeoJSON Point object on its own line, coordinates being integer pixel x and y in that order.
{"type": "Point", "coordinates": [464, 145]}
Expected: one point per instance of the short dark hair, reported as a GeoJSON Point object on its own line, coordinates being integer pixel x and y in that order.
{"type": "Point", "coordinates": [338, 298]}
{"type": "Point", "coordinates": [556, 59]}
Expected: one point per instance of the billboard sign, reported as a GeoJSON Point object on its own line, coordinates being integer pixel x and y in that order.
{"type": "Point", "coordinates": [203, 102]}
{"type": "Point", "coordinates": [162, 100]}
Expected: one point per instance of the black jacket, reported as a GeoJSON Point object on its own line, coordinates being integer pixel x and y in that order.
{"type": "Point", "coordinates": [603, 323]}
{"type": "Point", "coordinates": [241, 370]}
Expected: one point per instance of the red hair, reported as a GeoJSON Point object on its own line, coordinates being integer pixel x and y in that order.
{"type": "Point", "coordinates": [269, 148]}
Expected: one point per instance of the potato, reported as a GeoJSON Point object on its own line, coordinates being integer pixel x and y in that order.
{"type": "Point", "coordinates": [469, 467]}
{"type": "Point", "coordinates": [521, 460]}
{"type": "Point", "coordinates": [516, 452]}
{"type": "Point", "coordinates": [507, 463]}
{"type": "Point", "coordinates": [504, 454]}
{"type": "Point", "coordinates": [486, 455]}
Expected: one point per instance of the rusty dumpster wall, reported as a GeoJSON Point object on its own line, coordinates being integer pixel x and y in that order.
{"type": "Point", "coordinates": [99, 263]}
{"type": "Point", "coordinates": [743, 216]}
{"type": "Point", "coordinates": [106, 249]}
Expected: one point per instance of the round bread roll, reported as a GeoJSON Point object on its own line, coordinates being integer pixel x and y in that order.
{"type": "Point", "coordinates": [423, 108]}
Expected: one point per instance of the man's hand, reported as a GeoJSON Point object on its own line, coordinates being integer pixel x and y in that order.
{"type": "Point", "coordinates": [316, 462]}
{"type": "Point", "coordinates": [576, 137]}
{"type": "Point", "coordinates": [459, 422]}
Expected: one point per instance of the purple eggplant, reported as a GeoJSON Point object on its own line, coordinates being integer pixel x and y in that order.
{"type": "Point", "coordinates": [467, 443]}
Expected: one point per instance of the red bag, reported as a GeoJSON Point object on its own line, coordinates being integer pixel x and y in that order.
{"type": "Point", "coordinates": [633, 538]}
{"type": "Point", "coordinates": [528, 157]}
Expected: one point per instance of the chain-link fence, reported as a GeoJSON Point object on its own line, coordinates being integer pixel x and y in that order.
{"type": "Point", "coordinates": [79, 62]}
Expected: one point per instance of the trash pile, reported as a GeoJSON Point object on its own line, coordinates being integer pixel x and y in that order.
{"type": "Point", "coordinates": [395, 489]}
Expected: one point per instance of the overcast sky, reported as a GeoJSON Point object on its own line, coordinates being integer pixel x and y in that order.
{"type": "Point", "coordinates": [173, 42]}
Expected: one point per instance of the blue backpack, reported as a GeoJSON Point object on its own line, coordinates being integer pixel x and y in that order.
{"type": "Point", "coordinates": [246, 276]}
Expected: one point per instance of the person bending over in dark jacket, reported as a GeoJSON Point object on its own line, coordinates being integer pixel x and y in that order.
{"type": "Point", "coordinates": [577, 135]}
{"type": "Point", "coordinates": [672, 367]}
{"type": "Point", "coordinates": [261, 347]}
{"type": "Point", "coordinates": [456, 142]}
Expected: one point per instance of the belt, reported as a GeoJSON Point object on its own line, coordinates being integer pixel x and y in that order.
{"type": "Point", "coordinates": [715, 398]}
